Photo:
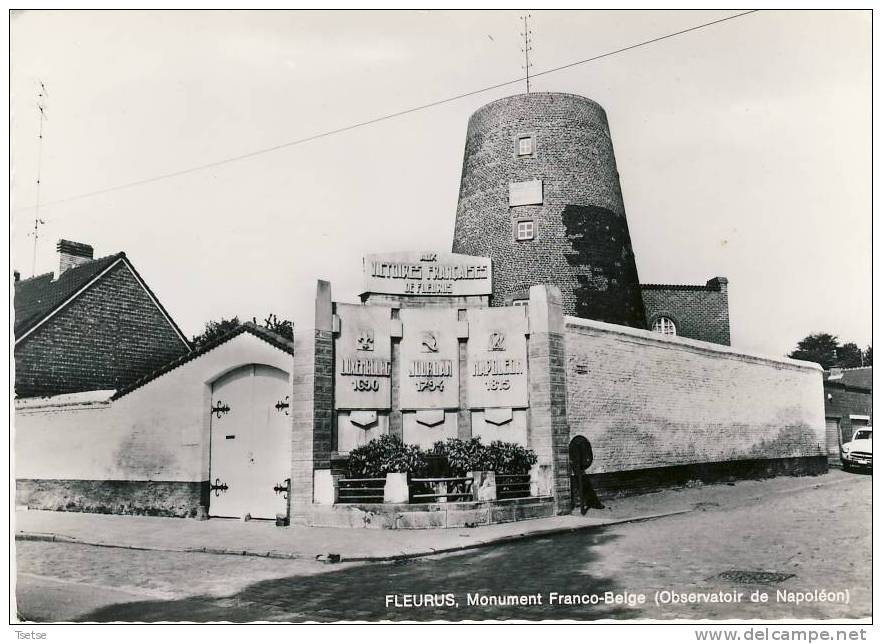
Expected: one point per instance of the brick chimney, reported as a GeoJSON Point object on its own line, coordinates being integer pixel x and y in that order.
{"type": "Point", "coordinates": [718, 284]}
{"type": "Point", "coordinates": [72, 254]}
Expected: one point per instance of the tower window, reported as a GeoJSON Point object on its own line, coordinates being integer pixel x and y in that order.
{"type": "Point", "coordinates": [526, 145]}
{"type": "Point", "coordinates": [664, 326]}
{"type": "Point", "coordinates": [525, 230]}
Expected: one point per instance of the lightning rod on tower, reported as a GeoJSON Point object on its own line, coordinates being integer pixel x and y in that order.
{"type": "Point", "coordinates": [527, 48]}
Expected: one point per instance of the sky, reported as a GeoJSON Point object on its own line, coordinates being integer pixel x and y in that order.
{"type": "Point", "coordinates": [744, 148]}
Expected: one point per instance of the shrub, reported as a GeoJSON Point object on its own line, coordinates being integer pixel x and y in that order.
{"type": "Point", "coordinates": [462, 456]}
{"type": "Point", "coordinates": [470, 455]}
{"type": "Point", "coordinates": [508, 458]}
{"type": "Point", "coordinates": [389, 454]}
{"type": "Point", "coordinates": [386, 454]}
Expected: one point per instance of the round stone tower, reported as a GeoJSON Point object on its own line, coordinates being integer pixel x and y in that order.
{"type": "Point", "coordinates": [540, 195]}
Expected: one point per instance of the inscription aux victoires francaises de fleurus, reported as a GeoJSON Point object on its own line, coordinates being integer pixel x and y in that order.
{"type": "Point", "coordinates": [430, 271]}
{"type": "Point", "coordinates": [427, 273]}
{"type": "Point", "coordinates": [431, 279]}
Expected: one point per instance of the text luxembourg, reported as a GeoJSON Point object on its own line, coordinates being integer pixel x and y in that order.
{"type": "Point", "coordinates": [365, 367]}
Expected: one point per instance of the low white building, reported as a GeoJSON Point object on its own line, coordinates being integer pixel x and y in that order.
{"type": "Point", "coordinates": [158, 445]}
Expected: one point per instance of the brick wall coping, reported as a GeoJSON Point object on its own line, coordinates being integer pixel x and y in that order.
{"type": "Point", "coordinates": [679, 287]}
{"type": "Point", "coordinates": [594, 327]}
{"type": "Point", "coordinates": [79, 400]}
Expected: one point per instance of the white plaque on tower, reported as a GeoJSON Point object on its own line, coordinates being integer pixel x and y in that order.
{"type": "Point", "coordinates": [525, 193]}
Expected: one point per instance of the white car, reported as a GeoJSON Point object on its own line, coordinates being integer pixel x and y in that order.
{"type": "Point", "coordinates": [858, 452]}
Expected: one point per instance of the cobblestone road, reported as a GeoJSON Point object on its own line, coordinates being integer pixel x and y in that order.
{"type": "Point", "coordinates": [820, 535]}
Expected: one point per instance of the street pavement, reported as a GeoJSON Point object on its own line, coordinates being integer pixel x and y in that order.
{"type": "Point", "coordinates": [263, 538]}
{"type": "Point", "coordinates": [816, 529]}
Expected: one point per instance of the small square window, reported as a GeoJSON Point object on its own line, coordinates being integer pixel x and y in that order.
{"type": "Point", "coordinates": [524, 230]}
{"type": "Point", "coordinates": [525, 146]}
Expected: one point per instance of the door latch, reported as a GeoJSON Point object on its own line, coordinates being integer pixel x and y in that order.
{"type": "Point", "coordinates": [219, 487]}
{"type": "Point", "coordinates": [283, 404]}
{"type": "Point", "coordinates": [283, 488]}
{"type": "Point", "coordinates": [220, 408]}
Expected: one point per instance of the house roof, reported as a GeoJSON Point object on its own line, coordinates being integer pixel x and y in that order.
{"type": "Point", "coordinates": [270, 337]}
{"type": "Point", "coordinates": [861, 377]}
{"type": "Point", "coordinates": [39, 297]}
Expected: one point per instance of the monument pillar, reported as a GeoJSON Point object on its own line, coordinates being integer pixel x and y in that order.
{"type": "Point", "coordinates": [312, 405]}
{"type": "Point", "coordinates": [548, 429]}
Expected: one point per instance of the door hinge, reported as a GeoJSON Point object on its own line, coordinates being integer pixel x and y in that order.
{"type": "Point", "coordinates": [220, 408]}
{"type": "Point", "coordinates": [219, 487]}
{"type": "Point", "coordinates": [283, 404]}
{"type": "Point", "coordinates": [283, 488]}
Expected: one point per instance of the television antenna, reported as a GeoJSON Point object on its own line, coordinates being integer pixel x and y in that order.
{"type": "Point", "coordinates": [41, 107]}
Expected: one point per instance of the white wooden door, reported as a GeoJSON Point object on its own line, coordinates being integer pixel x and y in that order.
{"type": "Point", "coordinates": [271, 442]}
{"type": "Point", "coordinates": [230, 429]}
{"type": "Point", "coordinates": [250, 443]}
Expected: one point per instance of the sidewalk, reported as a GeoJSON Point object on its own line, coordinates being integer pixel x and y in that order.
{"type": "Point", "coordinates": [263, 539]}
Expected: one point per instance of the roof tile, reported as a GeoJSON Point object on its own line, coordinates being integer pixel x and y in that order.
{"type": "Point", "coordinates": [38, 296]}
{"type": "Point", "coordinates": [855, 377]}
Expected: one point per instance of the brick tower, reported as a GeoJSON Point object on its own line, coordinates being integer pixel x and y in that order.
{"type": "Point", "coordinates": [540, 195]}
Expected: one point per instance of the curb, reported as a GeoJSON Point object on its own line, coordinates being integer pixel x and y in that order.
{"type": "Point", "coordinates": [523, 536]}
{"type": "Point", "coordinates": [61, 538]}
{"type": "Point", "coordinates": [275, 554]}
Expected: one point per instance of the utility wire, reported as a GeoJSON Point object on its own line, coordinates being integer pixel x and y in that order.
{"type": "Point", "coordinates": [379, 119]}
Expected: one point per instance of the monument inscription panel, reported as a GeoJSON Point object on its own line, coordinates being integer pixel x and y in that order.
{"type": "Point", "coordinates": [363, 358]}
{"type": "Point", "coordinates": [497, 358]}
{"type": "Point", "coordinates": [429, 365]}
{"type": "Point", "coordinates": [427, 273]}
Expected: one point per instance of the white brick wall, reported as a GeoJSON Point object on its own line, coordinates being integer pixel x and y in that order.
{"type": "Point", "coordinates": [156, 433]}
{"type": "Point", "coordinates": [646, 400]}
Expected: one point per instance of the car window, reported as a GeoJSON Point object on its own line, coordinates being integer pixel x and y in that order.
{"type": "Point", "coordinates": [862, 434]}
